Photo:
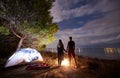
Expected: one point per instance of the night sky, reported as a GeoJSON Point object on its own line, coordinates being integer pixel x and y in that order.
{"type": "Point", "coordinates": [91, 23]}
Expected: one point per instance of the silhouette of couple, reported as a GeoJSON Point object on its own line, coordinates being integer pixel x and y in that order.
{"type": "Point", "coordinates": [70, 50]}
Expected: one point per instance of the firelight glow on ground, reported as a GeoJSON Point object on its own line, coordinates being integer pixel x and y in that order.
{"type": "Point", "coordinates": [65, 62]}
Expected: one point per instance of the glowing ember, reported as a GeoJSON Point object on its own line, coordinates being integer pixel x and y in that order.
{"type": "Point", "coordinates": [65, 62]}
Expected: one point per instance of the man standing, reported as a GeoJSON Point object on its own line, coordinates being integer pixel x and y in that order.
{"type": "Point", "coordinates": [71, 50]}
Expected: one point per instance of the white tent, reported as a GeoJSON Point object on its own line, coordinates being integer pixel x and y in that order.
{"type": "Point", "coordinates": [24, 55]}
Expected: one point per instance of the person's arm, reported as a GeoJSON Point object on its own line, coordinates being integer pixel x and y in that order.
{"type": "Point", "coordinates": [57, 47]}
{"type": "Point", "coordinates": [74, 46]}
{"type": "Point", "coordinates": [64, 49]}
{"type": "Point", "coordinates": [67, 47]}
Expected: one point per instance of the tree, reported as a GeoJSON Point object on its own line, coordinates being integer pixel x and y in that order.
{"type": "Point", "coordinates": [29, 20]}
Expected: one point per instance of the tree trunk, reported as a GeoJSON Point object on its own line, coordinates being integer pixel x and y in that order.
{"type": "Point", "coordinates": [20, 44]}
{"type": "Point", "coordinates": [17, 35]}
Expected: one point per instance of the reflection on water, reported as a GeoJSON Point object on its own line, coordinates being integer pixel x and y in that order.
{"type": "Point", "coordinates": [101, 53]}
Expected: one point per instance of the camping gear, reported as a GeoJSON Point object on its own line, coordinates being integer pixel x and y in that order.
{"type": "Point", "coordinates": [37, 66]}
{"type": "Point", "coordinates": [24, 55]}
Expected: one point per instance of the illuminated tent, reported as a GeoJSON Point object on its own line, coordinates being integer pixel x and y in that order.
{"type": "Point", "coordinates": [24, 55]}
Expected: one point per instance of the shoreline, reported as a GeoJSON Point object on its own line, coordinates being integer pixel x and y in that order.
{"type": "Point", "coordinates": [87, 68]}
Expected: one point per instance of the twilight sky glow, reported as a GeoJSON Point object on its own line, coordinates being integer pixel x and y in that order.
{"type": "Point", "coordinates": [91, 23]}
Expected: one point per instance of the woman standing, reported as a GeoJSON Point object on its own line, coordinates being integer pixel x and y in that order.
{"type": "Point", "coordinates": [60, 49]}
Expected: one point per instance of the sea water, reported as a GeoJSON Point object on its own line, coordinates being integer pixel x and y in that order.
{"type": "Point", "coordinates": [100, 53]}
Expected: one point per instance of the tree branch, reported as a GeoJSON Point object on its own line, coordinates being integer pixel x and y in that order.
{"type": "Point", "coordinates": [15, 32]}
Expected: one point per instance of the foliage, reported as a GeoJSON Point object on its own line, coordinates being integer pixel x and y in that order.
{"type": "Point", "coordinates": [4, 31]}
{"type": "Point", "coordinates": [30, 19]}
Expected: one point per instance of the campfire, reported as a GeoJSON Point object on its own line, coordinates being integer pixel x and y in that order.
{"type": "Point", "coordinates": [65, 62]}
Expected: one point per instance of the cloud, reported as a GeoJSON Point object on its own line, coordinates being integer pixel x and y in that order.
{"type": "Point", "coordinates": [97, 31]}
{"type": "Point", "coordinates": [62, 11]}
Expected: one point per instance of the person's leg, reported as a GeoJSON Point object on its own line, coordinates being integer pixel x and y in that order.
{"type": "Point", "coordinates": [69, 56]}
{"type": "Point", "coordinates": [59, 59]}
{"type": "Point", "coordinates": [73, 54]}
{"type": "Point", "coordinates": [62, 56]}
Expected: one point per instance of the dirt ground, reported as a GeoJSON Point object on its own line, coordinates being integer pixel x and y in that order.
{"type": "Point", "coordinates": [87, 68]}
